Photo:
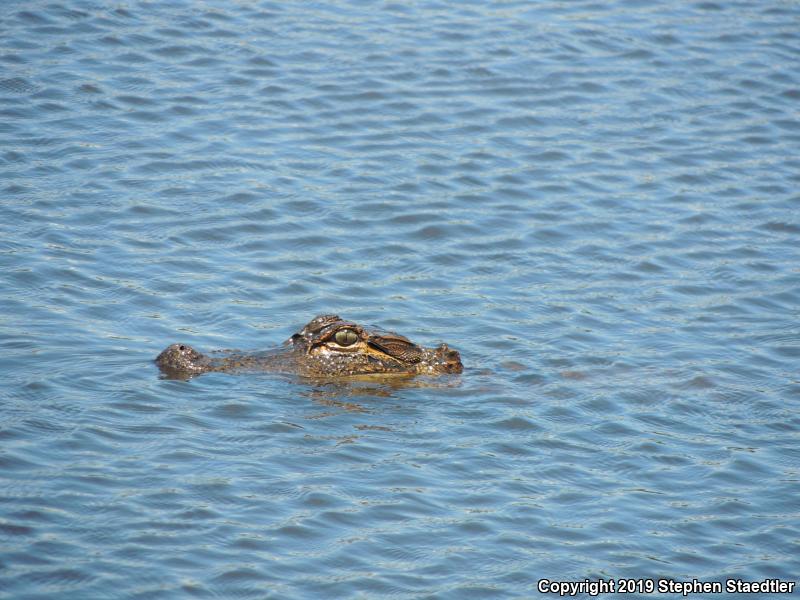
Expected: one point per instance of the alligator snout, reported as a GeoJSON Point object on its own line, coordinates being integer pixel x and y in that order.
{"type": "Point", "coordinates": [181, 358]}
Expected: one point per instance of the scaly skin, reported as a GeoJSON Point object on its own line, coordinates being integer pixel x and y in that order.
{"type": "Point", "coordinates": [327, 347]}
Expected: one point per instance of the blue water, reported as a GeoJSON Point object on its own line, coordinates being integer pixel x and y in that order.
{"type": "Point", "coordinates": [596, 203]}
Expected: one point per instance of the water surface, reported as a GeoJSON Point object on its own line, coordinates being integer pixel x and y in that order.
{"type": "Point", "coordinates": [596, 203]}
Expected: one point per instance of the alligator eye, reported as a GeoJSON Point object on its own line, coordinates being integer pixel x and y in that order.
{"type": "Point", "coordinates": [346, 337]}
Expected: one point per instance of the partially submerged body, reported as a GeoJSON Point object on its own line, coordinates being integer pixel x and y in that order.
{"type": "Point", "coordinates": [327, 347]}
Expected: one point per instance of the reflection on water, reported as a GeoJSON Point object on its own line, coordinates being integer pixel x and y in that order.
{"type": "Point", "coordinates": [594, 202]}
{"type": "Point", "coordinates": [333, 392]}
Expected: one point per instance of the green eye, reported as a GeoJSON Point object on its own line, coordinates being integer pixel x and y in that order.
{"type": "Point", "coordinates": [346, 337]}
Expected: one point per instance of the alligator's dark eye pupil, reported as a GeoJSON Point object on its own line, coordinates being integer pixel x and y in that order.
{"type": "Point", "coordinates": [182, 348]}
{"type": "Point", "coordinates": [346, 337]}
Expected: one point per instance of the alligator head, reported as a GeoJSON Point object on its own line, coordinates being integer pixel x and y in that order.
{"type": "Point", "coordinates": [328, 346]}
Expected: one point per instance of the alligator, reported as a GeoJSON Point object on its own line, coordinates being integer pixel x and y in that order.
{"type": "Point", "coordinates": [327, 346]}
